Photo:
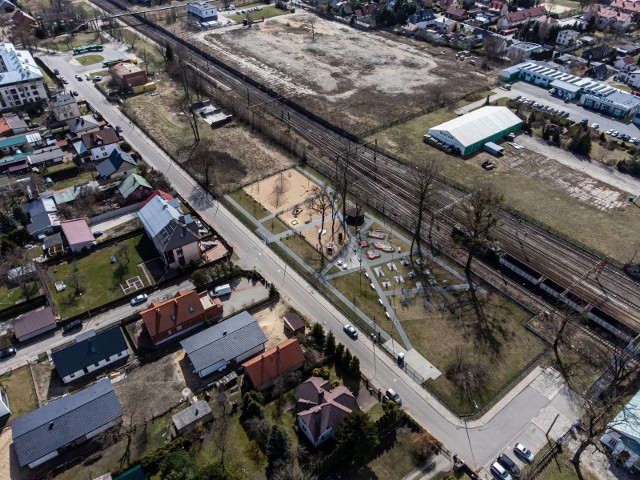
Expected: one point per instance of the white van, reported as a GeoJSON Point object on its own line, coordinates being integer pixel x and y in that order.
{"type": "Point", "coordinates": [220, 290]}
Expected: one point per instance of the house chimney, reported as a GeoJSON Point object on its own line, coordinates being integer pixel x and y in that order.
{"type": "Point", "coordinates": [51, 426]}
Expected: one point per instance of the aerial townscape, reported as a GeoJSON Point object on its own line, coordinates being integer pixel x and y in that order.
{"type": "Point", "coordinates": [319, 239]}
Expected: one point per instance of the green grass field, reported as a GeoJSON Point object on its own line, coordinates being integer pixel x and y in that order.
{"type": "Point", "coordinates": [65, 43]}
{"type": "Point", "coordinates": [305, 251]}
{"type": "Point", "coordinates": [89, 59]}
{"type": "Point", "coordinates": [99, 278]}
{"type": "Point", "coordinates": [21, 392]}
{"type": "Point", "coordinates": [252, 206]}
{"type": "Point", "coordinates": [11, 296]}
{"type": "Point", "coordinates": [266, 12]}
{"type": "Point", "coordinates": [275, 225]}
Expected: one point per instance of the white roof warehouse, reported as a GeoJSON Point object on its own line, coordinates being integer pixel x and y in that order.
{"type": "Point", "coordinates": [468, 133]}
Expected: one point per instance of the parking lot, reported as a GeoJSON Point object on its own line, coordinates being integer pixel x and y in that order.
{"type": "Point", "coordinates": [575, 111]}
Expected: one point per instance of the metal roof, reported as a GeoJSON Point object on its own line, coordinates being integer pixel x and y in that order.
{"type": "Point", "coordinates": [88, 351]}
{"type": "Point", "coordinates": [191, 414]}
{"type": "Point", "coordinates": [62, 421]}
{"type": "Point", "coordinates": [76, 231]}
{"type": "Point", "coordinates": [131, 183]}
{"type": "Point", "coordinates": [478, 125]}
{"type": "Point", "coordinates": [157, 214]}
{"type": "Point", "coordinates": [566, 86]}
{"type": "Point", "coordinates": [114, 161]}
{"type": "Point", "coordinates": [34, 321]}
{"type": "Point", "coordinates": [224, 341]}
{"type": "Point", "coordinates": [627, 422]}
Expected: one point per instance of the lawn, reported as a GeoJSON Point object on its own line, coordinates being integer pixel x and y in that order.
{"type": "Point", "coordinates": [99, 278]}
{"type": "Point", "coordinates": [21, 392]}
{"type": "Point", "coordinates": [316, 260]}
{"type": "Point", "coordinates": [275, 225]}
{"type": "Point", "coordinates": [495, 349]}
{"type": "Point", "coordinates": [11, 296]}
{"type": "Point", "coordinates": [150, 54]}
{"type": "Point", "coordinates": [89, 59]}
{"type": "Point", "coordinates": [84, 177]}
{"type": "Point", "coordinates": [557, 209]}
{"type": "Point", "coordinates": [78, 40]}
{"type": "Point", "coordinates": [560, 468]}
{"type": "Point", "coordinates": [266, 12]}
{"type": "Point", "coordinates": [396, 462]}
{"type": "Point", "coordinates": [246, 201]}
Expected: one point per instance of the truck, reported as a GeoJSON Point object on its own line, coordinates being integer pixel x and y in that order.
{"type": "Point", "coordinates": [220, 290]}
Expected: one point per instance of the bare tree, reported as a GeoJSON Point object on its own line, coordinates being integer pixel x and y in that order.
{"type": "Point", "coordinates": [341, 183]}
{"type": "Point", "coordinates": [221, 425]}
{"type": "Point", "coordinates": [480, 213]}
{"type": "Point", "coordinates": [75, 278]}
{"type": "Point", "coordinates": [423, 179]}
{"type": "Point", "coordinates": [321, 204]}
{"type": "Point", "coordinates": [311, 24]}
{"type": "Point", "coordinates": [23, 268]}
{"type": "Point", "coordinates": [131, 38]}
{"type": "Point", "coordinates": [279, 188]}
{"type": "Point", "coordinates": [205, 153]}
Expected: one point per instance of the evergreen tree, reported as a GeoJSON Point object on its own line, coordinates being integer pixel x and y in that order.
{"type": "Point", "coordinates": [357, 436]}
{"type": "Point", "coordinates": [317, 334]}
{"type": "Point", "coordinates": [330, 344]}
{"type": "Point", "coordinates": [278, 449]}
{"type": "Point", "coordinates": [346, 359]}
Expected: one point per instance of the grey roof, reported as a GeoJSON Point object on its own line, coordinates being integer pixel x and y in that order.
{"type": "Point", "coordinates": [82, 124]}
{"type": "Point", "coordinates": [88, 351]}
{"type": "Point", "coordinates": [19, 64]}
{"type": "Point", "coordinates": [62, 421]}
{"type": "Point", "coordinates": [224, 341]}
{"type": "Point", "coordinates": [45, 155]}
{"type": "Point", "coordinates": [42, 214]}
{"type": "Point", "coordinates": [53, 240]}
{"type": "Point", "coordinates": [191, 414]}
{"type": "Point", "coordinates": [20, 271]}
{"type": "Point", "coordinates": [34, 321]}
{"type": "Point", "coordinates": [61, 100]}
{"type": "Point", "coordinates": [114, 161]}
{"type": "Point", "coordinates": [166, 225]}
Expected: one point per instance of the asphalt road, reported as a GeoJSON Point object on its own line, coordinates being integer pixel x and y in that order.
{"type": "Point", "coordinates": [487, 438]}
{"type": "Point", "coordinates": [576, 112]}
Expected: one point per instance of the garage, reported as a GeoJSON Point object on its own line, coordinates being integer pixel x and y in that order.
{"type": "Point", "coordinates": [470, 132]}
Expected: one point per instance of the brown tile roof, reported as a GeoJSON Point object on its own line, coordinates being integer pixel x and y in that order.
{"type": "Point", "coordinates": [162, 316]}
{"type": "Point", "coordinates": [456, 11]}
{"type": "Point", "coordinates": [524, 14]}
{"type": "Point", "coordinates": [99, 138]}
{"type": "Point", "coordinates": [274, 362]}
{"type": "Point", "coordinates": [293, 321]}
{"type": "Point", "coordinates": [496, 5]}
{"type": "Point", "coordinates": [33, 321]}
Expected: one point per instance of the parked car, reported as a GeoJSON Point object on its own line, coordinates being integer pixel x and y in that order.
{"type": "Point", "coordinates": [118, 129]}
{"type": "Point", "coordinates": [71, 326]}
{"type": "Point", "coordinates": [221, 290]}
{"type": "Point", "coordinates": [499, 472]}
{"type": "Point", "coordinates": [34, 125]}
{"type": "Point", "coordinates": [97, 78]}
{"type": "Point", "coordinates": [87, 76]}
{"type": "Point", "coordinates": [523, 452]}
{"type": "Point", "coordinates": [351, 331]}
{"type": "Point", "coordinates": [56, 71]}
{"type": "Point", "coordinates": [138, 299]}
{"type": "Point", "coordinates": [609, 132]}
{"type": "Point", "coordinates": [74, 93]}
{"type": "Point", "coordinates": [97, 233]}
{"type": "Point", "coordinates": [595, 126]}
{"type": "Point", "coordinates": [509, 465]}
{"type": "Point", "coordinates": [7, 352]}
{"type": "Point", "coordinates": [393, 396]}
{"type": "Point", "coordinates": [78, 77]}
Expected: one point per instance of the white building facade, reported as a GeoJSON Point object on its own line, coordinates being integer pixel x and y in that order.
{"type": "Point", "coordinates": [203, 11]}
{"type": "Point", "coordinates": [21, 81]}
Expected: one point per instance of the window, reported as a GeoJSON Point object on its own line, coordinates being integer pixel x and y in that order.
{"type": "Point", "coordinates": [96, 364]}
{"type": "Point", "coordinates": [173, 317]}
{"type": "Point", "coordinates": [73, 375]}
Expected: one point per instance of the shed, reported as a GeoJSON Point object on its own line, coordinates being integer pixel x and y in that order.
{"type": "Point", "coordinates": [34, 323]}
{"type": "Point", "coordinates": [200, 411]}
{"type": "Point", "coordinates": [77, 233]}
{"type": "Point", "coordinates": [494, 149]}
{"type": "Point", "coordinates": [293, 324]}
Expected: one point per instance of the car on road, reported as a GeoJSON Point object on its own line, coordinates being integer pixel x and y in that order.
{"type": "Point", "coordinates": [74, 93]}
{"type": "Point", "coordinates": [499, 472]}
{"type": "Point", "coordinates": [523, 453]}
{"type": "Point", "coordinates": [138, 299]}
{"type": "Point", "coordinates": [56, 71]}
{"type": "Point", "coordinates": [7, 352]}
{"type": "Point", "coordinates": [71, 326]}
{"type": "Point", "coordinates": [351, 331]}
{"type": "Point", "coordinates": [509, 465]}
{"type": "Point", "coordinates": [118, 129]}
{"type": "Point", "coordinates": [97, 233]}
{"type": "Point", "coordinates": [87, 76]}
{"type": "Point", "coordinates": [97, 78]}
{"type": "Point", "coordinates": [392, 395]}
{"type": "Point", "coordinates": [595, 126]}
{"type": "Point", "coordinates": [609, 132]}
{"type": "Point", "coordinates": [78, 77]}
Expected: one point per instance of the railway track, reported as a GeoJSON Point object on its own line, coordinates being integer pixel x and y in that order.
{"type": "Point", "coordinates": [554, 258]}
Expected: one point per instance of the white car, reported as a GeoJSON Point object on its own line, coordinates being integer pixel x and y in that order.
{"type": "Point", "coordinates": [609, 132]}
{"type": "Point", "coordinates": [595, 126]}
{"type": "Point", "coordinates": [499, 472]}
{"type": "Point", "coordinates": [349, 330]}
{"type": "Point", "coordinates": [523, 452]}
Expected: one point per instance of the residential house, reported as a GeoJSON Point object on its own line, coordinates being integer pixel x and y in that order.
{"type": "Point", "coordinates": [21, 81]}
{"type": "Point", "coordinates": [99, 144]}
{"type": "Point", "coordinates": [497, 7]}
{"type": "Point", "coordinates": [15, 164]}
{"type": "Point", "coordinates": [596, 53]}
{"type": "Point", "coordinates": [63, 107]}
{"type": "Point", "coordinates": [182, 313]}
{"type": "Point", "coordinates": [444, 4]}
{"type": "Point", "coordinates": [519, 17]}
{"type": "Point", "coordinates": [622, 437]}
{"type": "Point", "coordinates": [5, 411]}
{"type": "Point", "coordinates": [15, 124]}
{"type": "Point", "coordinates": [262, 371]}
{"type": "Point", "coordinates": [627, 6]}
{"type": "Point", "coordinates": [117, 165]}
{"type": "Point", "coordinates": [134, 188]}
{"type": "Point", "coordinates": [202, 11]}
{"type": "Point", "coordinates": [226, 344]}
{"type": "Point", "coordinates": [43, 217]}
{"type": "Point", "coordinates": [598, 71]}
{"type": "Point", "coordinates": [43, 434]}
{"type": "Point", "coordinates": [623, 62]}
{"type": "Point", "coordinates": [78, 234]}
{"type": "Point", "coordinates": [173, 234]}
{"type": "Point", "coordinates": [319, 410]}
{"type": "Point", "coordinates": [567, 38]}
{"type": "Point", "coordinates": [45, 157]}
{"type": "Point", "coordinates": [89, 353]}
{"type": "Point", "coordinates": [34, 323]}
{"type": "Point", "coordinates": [444, 25]}
{"type": "Point", "coordinates": [82, 124]}
{"type": "Point", "coordinates": [456, 13]}
{"type": "Point", "coordinates": [630, 74]}
{"type": "Point", "coordinates": [53, 244]}
{"type": "Point", "coordinates": [293, 324]}
{"type": "Point", "coordinates": [523, 50]}
{"type": "Point", "coordinates": [626, 50]}
{"type": "Point", "coordinates": [607, 17]}
{"type": "Point", "coordinates": [23, 21]}
{"type": "Point", "coordinates": [164, 196]}
{"type": "Point", "coordinates": [128, 75]}
{"type": "Point", "coordinates": [423, 18]}
{"type": "Point", "coordinates": [546, 20]}
{"type": "Point", "coordinates": [198, 412]}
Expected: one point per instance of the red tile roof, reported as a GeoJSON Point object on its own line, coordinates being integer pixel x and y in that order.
{"type": "Point", "coordinates": [163, 316]}
{"type": "Point", "coordinates": [521, 15]}
{"type": "Point", "coordinates": [274, 362]}
{"type": "Point", "coordinates": [615, 14]}
{"type": "Point", "coordinates": [626, 5]}
{"type": "Point", "coordinates": [496, 5]}
{"type": "Point", "coordinates": [156, 193]}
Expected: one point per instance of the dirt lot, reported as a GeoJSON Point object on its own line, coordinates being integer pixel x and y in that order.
{"type": "Point", "coordinates": [271, 323]}
{"type": "Point", "coordinates": [48, 384]}
{"type": "Point", "coordinates": [358, 80]}
{"type": "Point", "coordinates": [240, 156]}
{"type": "Point", "coordinates": [153, 388]}
{"type": "Point", "coordinates": [282, 190]}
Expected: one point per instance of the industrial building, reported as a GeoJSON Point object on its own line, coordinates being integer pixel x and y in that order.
{"type": "Point", "coordinates": [470, 132]}
{"type": "Point", "coordinates": [590, 93]}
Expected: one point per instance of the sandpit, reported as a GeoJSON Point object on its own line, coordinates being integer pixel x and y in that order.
{"type": "Point", "coordinates": [282, 190]}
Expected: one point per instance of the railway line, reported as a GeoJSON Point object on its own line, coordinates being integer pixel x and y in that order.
{"type": "Point", "coordinates": [609, 292]}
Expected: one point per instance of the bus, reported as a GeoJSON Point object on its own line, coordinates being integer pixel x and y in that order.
{"type": "Point", "coordinates": [112, 61]}
{"type": "Point", "coordinates": [87, 49]}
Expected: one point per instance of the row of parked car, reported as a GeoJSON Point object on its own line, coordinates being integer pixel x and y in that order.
{"type": "Point", "coordinates": [560, 113]}
{"type": "Point", "coordinates": [505, 468]}
{"type": "Point", "coordinates": [623, 136]}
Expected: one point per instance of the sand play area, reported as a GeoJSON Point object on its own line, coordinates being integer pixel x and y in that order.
{"type": "Point", "coordinates": [282, 190]}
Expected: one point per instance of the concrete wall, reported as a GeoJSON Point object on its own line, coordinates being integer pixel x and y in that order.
{"type": "Point", "coordinates": [115, 213]}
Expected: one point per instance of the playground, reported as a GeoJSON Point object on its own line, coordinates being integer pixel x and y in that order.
{"type": "Point", "coordinates": [282, 190]}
